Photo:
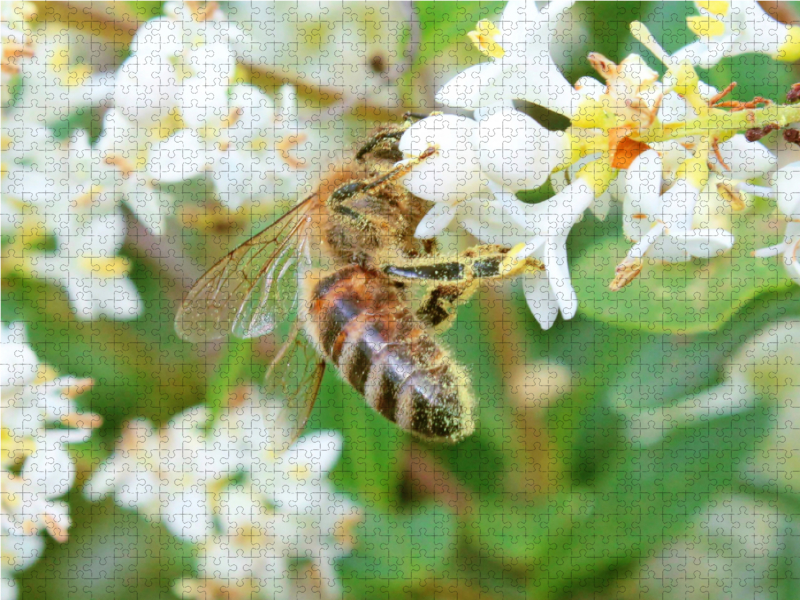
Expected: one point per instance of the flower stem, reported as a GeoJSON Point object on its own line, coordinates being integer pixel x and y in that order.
{"type": "Point", "coordinates": [725, 123]}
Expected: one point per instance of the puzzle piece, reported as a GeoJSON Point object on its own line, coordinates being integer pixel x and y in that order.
{"type": "Point", "coordinates": [389, 299]}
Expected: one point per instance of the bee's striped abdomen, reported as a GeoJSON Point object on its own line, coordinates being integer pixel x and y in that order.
{"type": "Point", "coordinates": [362, 325]}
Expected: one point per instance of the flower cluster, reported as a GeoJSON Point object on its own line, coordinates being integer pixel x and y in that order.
{"type": "Point", "coordinates": [39, 421]}
{"type": "Point", "coordinates": [219, 485]}
{"type": "Point", "coordinates": [666, 148]}
{"type": "Point", "coordinates": [174, 110]}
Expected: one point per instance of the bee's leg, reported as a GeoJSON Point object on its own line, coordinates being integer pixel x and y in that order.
{"type": "Point", "coordinates": [453, 279]}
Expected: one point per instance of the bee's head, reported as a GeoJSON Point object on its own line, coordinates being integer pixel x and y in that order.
{"type": "Point", "coordinates": [383, 144]}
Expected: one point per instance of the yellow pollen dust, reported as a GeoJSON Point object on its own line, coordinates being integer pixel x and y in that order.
{"type": "Point", "coordinates": [484, 38]}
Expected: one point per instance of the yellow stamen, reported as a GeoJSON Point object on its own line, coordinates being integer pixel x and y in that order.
{"type": "Point", "coordinates": [695, 169]}
{"type": "Point", "coordinates": [732, 196]}
{"type": "Point", "coordinates": [291, 141]}
{"type": "Point", "coordinates": [232, 117]}
{"type": "Point", "coordinates": [82, 420]}
{"type": "Point", "coordinates": [626, 271]}
{"type": "Point", "coordinates": [598, 175]}
{"type": "Point", "coordinates": [44, 374]}
{"type": "Point", "coordinates": [55, 529]}
{"type": "Point", "coordinates": [484, 38]}
{"type": "Point", "coordinates": [105, 267]}
{"type": "Point", "coordinates": [78, 387]}
{"type": "Point", "coordinates": [125, 167]}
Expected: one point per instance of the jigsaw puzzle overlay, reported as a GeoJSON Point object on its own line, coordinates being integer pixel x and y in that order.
{"type": "Point", "coordinates": [400, 299]}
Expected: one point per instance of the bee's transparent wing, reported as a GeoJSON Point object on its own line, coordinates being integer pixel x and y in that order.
{"type": "Point", "coordinates": [293, 379]}
{"type": "Point", "coordinates": [254, 287]}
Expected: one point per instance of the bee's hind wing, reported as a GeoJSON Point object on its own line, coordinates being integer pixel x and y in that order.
{"type": "Point", "coordinates": [293, 380]}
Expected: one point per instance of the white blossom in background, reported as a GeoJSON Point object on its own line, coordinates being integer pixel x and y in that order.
{"type": "Point", "coordinates": [734, 28]}
{"type": "Point", "coordinates": [181, 66]}
{"type": "Point", "coordinates": [250, 512]}
{"type": "Point", "coordinates": [258, 152]}
{"type": "Point", "coordinates": [787, 192]}
{"type": "Point", "coordinates": [74, 68]}
{"type": "Point", "coordinates": [354, 50]}
{"type": "Point", "coordinates": [126, 147]}
{"type": "Point", "coordinates": [87, 264]}
{"type": "Point", "coordinates": [764, 368]}
{"type": "Point", "coordinates": [39, 421]}
{"type": "Point", "coordinates": [173, 475]}
{"type": "Point", "coordinates": [16, 39]}
{"type": "Point", "coordinates": [711, 559]}
{"type": "Point", "coordinates": [520, 67]}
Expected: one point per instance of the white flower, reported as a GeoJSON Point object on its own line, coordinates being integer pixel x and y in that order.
{"type": "Point", "coordinates": [173, 475]}
{"type": "Point", "coordinates": [733, 28]}
{"type": "Point", "coordinates": [257, 153]}
{"type": "Point", "coordinates": [87, 264]}
{"type": "Point", "coordinates": [538, 231]}
{"type": "Point", "coordinates": [521, 67]}
{"type": "Point", "coordinates": [788, 195]}
{"type": "Point", "coordinates": [60, 182]}
{"type": "Point", "coordinates": [39, 419]}
{"type": "Point", "coordinates": [177, 65]}
{"type": "Point", "coordinates": [353, 50]}
{"type": "Point", "coordinates": [516, 152]}
{"type": "Point", "coordinates": [297, 479]}
{"type": "Point", "coordinates": [451, 176]}
{"type": "Point", "coordinates": [661, 224]}
{"type": "Point", "coordinates": [547, 225]}
{"type": "Point", "coordinates": [216, 484]}
{"type": "Point", "coordinates": [126, 147]}
{"type": "Point", "coordinates": [503, 150]}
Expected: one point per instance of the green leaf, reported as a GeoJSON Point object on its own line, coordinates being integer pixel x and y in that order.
{"type": "Point", "coordinates": [401, 553]}
{"type": "Point", "coordinates": [234, 369]}
{"type": "Point", "coordinates": [683, 298]}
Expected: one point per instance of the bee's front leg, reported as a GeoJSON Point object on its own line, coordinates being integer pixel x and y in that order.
{"type": "Point", "coordinates": [451, 280]}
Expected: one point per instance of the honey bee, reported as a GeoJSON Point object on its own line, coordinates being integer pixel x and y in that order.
{"type": "Point", "coordinates": [342, 267]}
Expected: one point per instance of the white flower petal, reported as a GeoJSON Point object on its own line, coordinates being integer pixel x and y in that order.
{"type": "Point", "coordinates": [787, 184]}
{"type": "Point", "coordinates": [541, 301]}
{"type": "Point", "coordinates": [436, 220]}
{"type": "Point", "coordinates": [515, 151]}
{"type": "Point", "coordinates": [707, 243]}
{"type": "Point", "coordinates": [791, 260]}
{"type": "Point", "coordinates": [478, 86]}
{"type": "Point", "coordinates": [642, 187]}
{"type": "Point", "coordinates": [178, 158]}
{"type": "Point", "coordinates": [555, 259]}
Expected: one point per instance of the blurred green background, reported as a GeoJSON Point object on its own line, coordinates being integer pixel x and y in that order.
{"type": "Point", "coordinates": [573, 486]}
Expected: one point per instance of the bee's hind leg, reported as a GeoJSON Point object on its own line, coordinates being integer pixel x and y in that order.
{"type": "Point", "coordinates": [451, 280]}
